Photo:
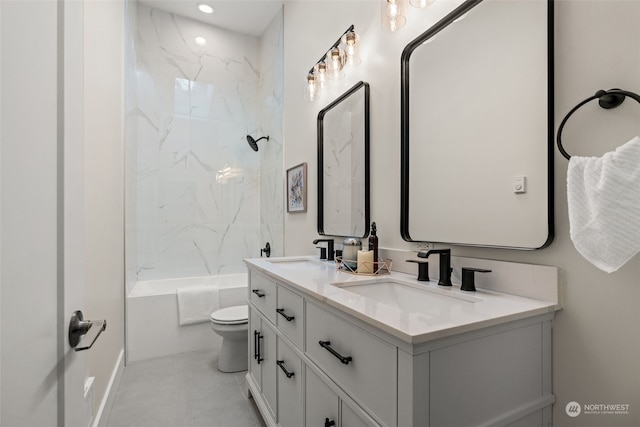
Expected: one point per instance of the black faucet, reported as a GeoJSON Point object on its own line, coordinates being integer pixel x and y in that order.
{"type": "Point", "coordinates": [330, 251]}
{"type": "Point", "coordinates": [445, 264]}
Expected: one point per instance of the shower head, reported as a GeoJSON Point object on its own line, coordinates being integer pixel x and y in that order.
{"type": "Point", "coordinates": [253, 143]}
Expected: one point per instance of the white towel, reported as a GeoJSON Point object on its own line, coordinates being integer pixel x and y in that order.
{"type": "Point", "coordinates": [196, 303]}
{"type": "Point", "coordinates": [604, 206]}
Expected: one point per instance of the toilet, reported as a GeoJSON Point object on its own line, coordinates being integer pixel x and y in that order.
{"type": "Point", "coordinates": [231, 323]}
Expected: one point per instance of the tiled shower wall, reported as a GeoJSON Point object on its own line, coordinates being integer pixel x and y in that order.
{"type": "Point", "coordinates": [201, 199]}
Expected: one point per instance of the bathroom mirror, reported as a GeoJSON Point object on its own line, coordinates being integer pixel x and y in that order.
{"type": "Point", "coordinates": [343, 165]}
{"type": "Point", "coordinates": [477, 127]}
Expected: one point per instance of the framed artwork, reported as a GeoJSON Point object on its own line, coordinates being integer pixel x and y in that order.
{"type": "Point", "coordinates": [297, 188]}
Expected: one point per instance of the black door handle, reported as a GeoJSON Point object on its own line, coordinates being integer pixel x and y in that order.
{"type": "Point", "coordinates": [328, 422]}
{"type": "Point", "coordinates": [327, 345]}
{"type": "Point", "coordinates": [257, 292]}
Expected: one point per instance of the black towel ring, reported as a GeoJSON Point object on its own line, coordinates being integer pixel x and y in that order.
{"type": "Point", "coordinates": [607, 99]}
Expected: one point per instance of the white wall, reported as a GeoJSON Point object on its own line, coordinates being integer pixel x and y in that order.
{"type": "Point", "coordinates": [104, 186]}
{"type": "Point", "coordinates": [596, 339]}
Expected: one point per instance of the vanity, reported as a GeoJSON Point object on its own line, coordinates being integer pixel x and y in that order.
{"type": "Point", "coordinates": [329, 348]}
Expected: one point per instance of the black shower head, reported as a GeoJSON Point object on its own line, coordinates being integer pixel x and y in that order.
{"type": "Point", "coordinates": [253, 143]}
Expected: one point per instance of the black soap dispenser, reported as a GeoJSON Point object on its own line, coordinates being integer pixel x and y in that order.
{"type": "Point", "coordinates": [373, 244]}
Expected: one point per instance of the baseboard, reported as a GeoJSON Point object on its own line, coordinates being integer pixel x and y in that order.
{"type": "Point", "coordinates": [102, 415]}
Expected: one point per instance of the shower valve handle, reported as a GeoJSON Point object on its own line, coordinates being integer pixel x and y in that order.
{"type": "Point", "coordinates": [266, 250]}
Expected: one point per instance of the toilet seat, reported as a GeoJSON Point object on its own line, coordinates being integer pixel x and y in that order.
{"type": "Point", "coordinates": [236, 315]}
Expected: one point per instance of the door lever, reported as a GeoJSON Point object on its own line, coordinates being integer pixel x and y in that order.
{"type": "Point", "coordinates": [83, 333]}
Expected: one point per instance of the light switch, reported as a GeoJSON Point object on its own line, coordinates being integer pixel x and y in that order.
{"type": "Point", "coordinates": [519, 184]}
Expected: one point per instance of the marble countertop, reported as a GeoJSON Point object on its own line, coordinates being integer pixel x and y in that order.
{"type": "Point", "coordinates": [456, 312]}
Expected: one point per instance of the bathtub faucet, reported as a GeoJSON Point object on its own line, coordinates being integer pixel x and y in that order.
{"type": "Point", "coordinates": [266, 250]}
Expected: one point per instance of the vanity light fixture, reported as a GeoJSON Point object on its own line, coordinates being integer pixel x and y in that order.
{"type": "Point", "coordinates": [205, 8]}
{"type": "Point", "coordinates": [344, 53]}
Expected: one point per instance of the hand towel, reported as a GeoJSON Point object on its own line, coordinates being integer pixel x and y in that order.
{"type": "Point", "coordinates": [196, 303]}
{"type": "Point", "coordinates": [603, 194]}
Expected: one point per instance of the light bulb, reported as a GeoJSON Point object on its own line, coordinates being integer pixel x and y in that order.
{"type": "Point", "coordinates": [335, 64]}
{"type": "Point", "coordinates": [351, 46]}
{"type": "Point", "coordinates": [310, 94]}
{"type": "Point", "coordinates": [392, 14]}
{"type": "Point", "coordinates": [320, 72]}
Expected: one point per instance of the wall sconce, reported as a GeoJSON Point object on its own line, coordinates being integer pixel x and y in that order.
{"type": "Point", "coordinates": [343, 54]}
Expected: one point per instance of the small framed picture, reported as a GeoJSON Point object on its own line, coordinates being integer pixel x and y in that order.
{"type": "Point", "coordinates": [297, 188]}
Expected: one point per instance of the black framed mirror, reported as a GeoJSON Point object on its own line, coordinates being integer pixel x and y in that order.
{"type": "Point", "coordinates": [477, 127]}
{"type": "Point", "coordinates": [343, 165]}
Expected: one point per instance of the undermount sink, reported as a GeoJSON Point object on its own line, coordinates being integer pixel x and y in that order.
{"type": "Point", "coordinates": [409, 297]}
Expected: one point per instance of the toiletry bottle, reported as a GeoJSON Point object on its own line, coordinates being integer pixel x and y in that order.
{"type": "Point", "coordinates": [373, 243]}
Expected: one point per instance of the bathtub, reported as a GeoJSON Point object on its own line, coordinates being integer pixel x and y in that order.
{"type": "Point", "coordinates": [152, 323]}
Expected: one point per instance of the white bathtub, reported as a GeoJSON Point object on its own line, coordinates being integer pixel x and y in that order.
{"type": "Point", "coordinates": [152, 316]}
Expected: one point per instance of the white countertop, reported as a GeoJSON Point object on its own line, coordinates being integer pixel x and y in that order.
{"type": "Point", "coordinates": [313, 277]}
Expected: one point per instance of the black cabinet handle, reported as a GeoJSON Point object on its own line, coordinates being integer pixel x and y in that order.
{"type": "Point", "coordinates": [280, 311]}
{"type": "Point", "coordinates": [327, 346]}
{"type": "Point", "coordinates": [257, 292]}
{"type": "Point", "coordinates": [256, 351]}
{"type": "Point", "coordinates": [328, 422]}
{"type": "Point", "coordinates": [287, 373]}
{"type": "Point", "coordinates": [256, 346]}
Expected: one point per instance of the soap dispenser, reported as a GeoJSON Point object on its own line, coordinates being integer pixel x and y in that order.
{"type": "Point", "coordinates": [373, 244]}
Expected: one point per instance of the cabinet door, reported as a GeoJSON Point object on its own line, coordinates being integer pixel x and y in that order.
{"type": "Point", "coordinates": [255, 330]}
{"type": "Point", "coordinates": [350, 418]}
{"type": "Point", "coordinates": [321, 402]}
{"type": "Point", "coordinates": [268, 353]}
{"type": "Point", "coordinates": [289, 374]}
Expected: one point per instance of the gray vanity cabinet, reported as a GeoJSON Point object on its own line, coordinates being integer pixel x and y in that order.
{"type": "Point", "coordinates": [335, 369]}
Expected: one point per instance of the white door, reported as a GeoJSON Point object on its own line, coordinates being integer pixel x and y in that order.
{"type": "Point", "coordinates": [41, 214]}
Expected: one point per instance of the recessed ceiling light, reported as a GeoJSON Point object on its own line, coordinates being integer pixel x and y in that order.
{"type": "Point", "coordinates": [200, 41]}
{"type": "Point", "coordinates": [205, 8]}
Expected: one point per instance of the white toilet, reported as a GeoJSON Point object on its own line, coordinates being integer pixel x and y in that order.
{"type": "Point", "coordinates": [232, 324]}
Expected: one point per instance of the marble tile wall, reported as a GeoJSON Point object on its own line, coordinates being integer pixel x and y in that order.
{"type": "Point", "coordinates": [203, 199]}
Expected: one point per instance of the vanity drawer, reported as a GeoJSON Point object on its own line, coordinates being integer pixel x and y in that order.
{"type": "Point", "coordinates": [290, 315]}
{"type": "Point", "coordinates": [370, 375]}
{"type": "Point", "coordinates": [262, 294]}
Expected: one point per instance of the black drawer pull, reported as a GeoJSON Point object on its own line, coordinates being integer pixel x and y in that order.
{"type": "Point", "coordinates": [327, 345]}
{"type": "Point", "coordinates": [257, 292]}
{"type": "Point", "coordinates": [281, 313]}
{"type": "Point", "coordinates": [328, 422]}
{"type": "Point", "coordinates": [287, 373]}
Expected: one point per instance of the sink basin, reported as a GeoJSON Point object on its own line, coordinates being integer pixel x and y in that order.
{"type": "Point", "coordinates": [409, 297]}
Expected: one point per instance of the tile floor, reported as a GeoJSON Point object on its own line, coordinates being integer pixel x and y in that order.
{"type": "Point", "coordinates": [185, 390]}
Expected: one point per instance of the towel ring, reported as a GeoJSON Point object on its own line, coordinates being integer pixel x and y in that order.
{"type": "Point", "coordinates": [607, 99]}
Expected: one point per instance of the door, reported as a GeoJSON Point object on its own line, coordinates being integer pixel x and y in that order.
{"type": "Point", "coordinates": [41, 212]}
